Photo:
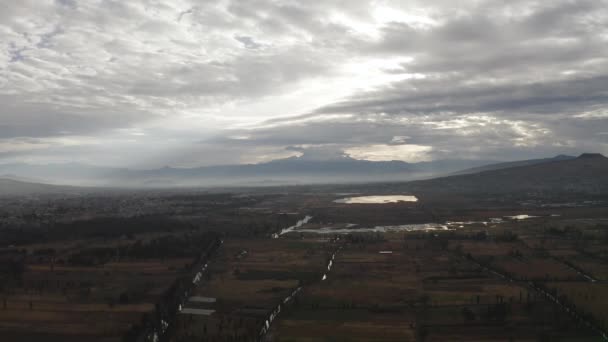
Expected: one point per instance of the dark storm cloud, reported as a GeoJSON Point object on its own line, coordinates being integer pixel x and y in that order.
{"type": "Point", "coordinates": [432, 96]}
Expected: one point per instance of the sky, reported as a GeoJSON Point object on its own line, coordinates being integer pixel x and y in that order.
{"type": "Point", "coordinates": [145, 83]}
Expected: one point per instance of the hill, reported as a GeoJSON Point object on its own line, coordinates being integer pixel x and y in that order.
{"type": "Point", "coordinates": [12, 187]}
{"type": "Point", "coordinates": [586, 174]}
{"type": "Point", "coordinates": [518, 163]}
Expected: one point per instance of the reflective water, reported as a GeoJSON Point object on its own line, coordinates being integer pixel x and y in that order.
{"type": "Point", "coordinates": [355, 228]}
{"type": "Point", "coordinates": [377, 199]}
{"type": "Point", "coordinates": [377, 229]}
{"type": "Point", "coordinates": [297, 225]}
{"type": "Point", "coordinates": [521, 217]}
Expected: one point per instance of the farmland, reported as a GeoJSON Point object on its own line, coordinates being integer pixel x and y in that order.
{"type": "Point", "coordinates": [223, 267]}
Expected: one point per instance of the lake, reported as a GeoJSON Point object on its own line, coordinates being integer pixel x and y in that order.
{"type": "Point", "coordinates": [377, 199]}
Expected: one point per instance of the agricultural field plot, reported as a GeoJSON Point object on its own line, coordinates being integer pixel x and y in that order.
{"type": "Point", "coordinates": [95, 290]}
{"type": "Point", "coordinates": [362, 299]}
{"type": "Point", "coordinates": [582, 249]}
{"type": "Point", "coordinates": [486, 249]}
{"type": "Point", "coordinates": [247, 280]}
{"type": "Point", "coordinates": [595, 268]}
{"type": "Point", "coordinates": [590, 299]}
{"type": "Point", "coordinates": [516, 259]}
{"type": "Point", "coordinates": [92, 303]}
{"type": "Point", "coordinates": [418, 291]}
{"type": "Point", "coordinates": [537, 269]}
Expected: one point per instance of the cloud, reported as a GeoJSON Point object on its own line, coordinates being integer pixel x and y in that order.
{"type": "Point", "coordinates": [479, 79]}
{"type": "Point", "coordinates": [413, 153]}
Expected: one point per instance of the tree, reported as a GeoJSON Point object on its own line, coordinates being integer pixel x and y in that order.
{"type": "Point", "coordinates": [468, 314]}
{"type": "Point", "coordinates": [422, 332]}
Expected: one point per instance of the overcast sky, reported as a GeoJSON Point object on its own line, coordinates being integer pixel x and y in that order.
{"type": "Point", "coordinates": [186, 83]}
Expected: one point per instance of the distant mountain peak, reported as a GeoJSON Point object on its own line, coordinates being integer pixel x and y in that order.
{"type": "Point", "coordinates": [591, 156]}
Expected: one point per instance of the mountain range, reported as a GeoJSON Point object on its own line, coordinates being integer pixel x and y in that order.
{"type": "Point", "coordinates": [587, 173]}
{"type": "Point", "coordinates": [294, 170]}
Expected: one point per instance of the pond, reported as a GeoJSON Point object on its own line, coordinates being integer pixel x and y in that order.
{"type": "Point", "coordinates": [521, 217]}
{"type": "Point", "coordinates": [377, 199]}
